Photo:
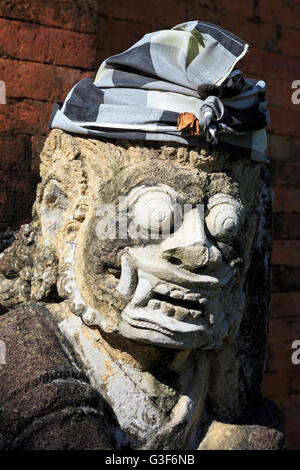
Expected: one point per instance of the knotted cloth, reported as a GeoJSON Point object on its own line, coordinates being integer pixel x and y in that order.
{"type": "Point", "coordinates": [141, 93]}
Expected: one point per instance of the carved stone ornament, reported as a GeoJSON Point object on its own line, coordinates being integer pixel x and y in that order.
{"type": "Point", "coordinates": [153, 263]}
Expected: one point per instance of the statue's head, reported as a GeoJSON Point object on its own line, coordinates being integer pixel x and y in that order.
{"type": "Point", "coordinates": [147, 241]}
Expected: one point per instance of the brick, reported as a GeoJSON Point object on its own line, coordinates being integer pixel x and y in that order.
{"type": "Point", "coordinates": [259, 35]}
{"type": "Point", "coordinates": [204, 3]}
{"type": "Point", "coordinates": [117, 36]}
{"type": "Point", "coordinates": [279, 358]}
{"type": "Point", "coordinates": [280, 12]}
{"type": "Point", "coordinates": [284, 121]}
{"type": "Point", "coordinates": [275, 384]}
{"type": "Point", "coordinates": [293, 433]}
{"type": "Point", "coordinates": [295, 377]}
{"type": "Point", "coordinates": [103, 54]}
{"type": "Point", "coordinates": [295, 401]}
{"type": "Point", "coordinates": [286, 226]}
{"type": "Point", "coordinates": [286, 252]}
{"type": "Point", "coordinates": [262, 63]}
{"type": "Point", "coordinates": [262, 36]}
{"type": "Point", "coordinates": [26, 116]}
{"type": "Point", "coordinates": [283, 402]}
{"type": "Point", "coordinates": [244, 8]}
{"type": "Point", "coordinates": [289, 42]}
{"type": "Point", "coordinates": [17, 195]}
{"type": "Point", "coordinates": [14, 152]}
{"type": "Point", "coordinates": [156, 13]}
{"type": "Point", "coordinates": [76, 16]}
{"type": "Point", "coordinates": [37, 144]}
{"type": "Point", "coordinates": [285, 303]}
{"type": "Point", "coordinates": [279, 93]}
{"type": "Point", "coordinates": [284, 330]}
{"type": "Point", "coordinates": [285, 174]}
{"type": "Point", "coordinates": [45, 44]}
{"type": "Point", "coordinates": [287, 200]}
{"type": "Point", "coordinates": [283, 148]}
{"type": "Point", "coordinates": [285, 278]}
{"type": "Point", "coordinates": [38, 81]}
{"type": "Point", "coordinates": [66, 14]}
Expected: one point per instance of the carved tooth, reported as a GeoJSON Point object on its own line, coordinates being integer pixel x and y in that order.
{"type": "Point", "coordinates": [128, 278]}
{"type": "Point", "coordinates": [181, 313]}
{"type": "Point", "coordinates": [211, 319]}
{"type": "Point", "coordinates": [196, 313]}
{"type": "Point", "coordinates": [191, 296]}
{"type": "Point", "coordinates": [162, 289]}
{"type": "Point", "coordinates": [176, 294]}
{"type": "Point", "coordinates": [154, 304]}
{"type": "Point", "coordinates": [202, 301]}
{"type": "Point", "coordinates": [168, 309]}
{"type": "Point", "coordinates": [142, 293]}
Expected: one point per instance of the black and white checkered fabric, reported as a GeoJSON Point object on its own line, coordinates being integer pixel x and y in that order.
{"type": "Point", "coordinates": [139, 93]}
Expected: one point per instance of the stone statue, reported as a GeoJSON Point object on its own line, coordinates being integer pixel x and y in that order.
{"type": "Point", "coordinates": [139, 301]}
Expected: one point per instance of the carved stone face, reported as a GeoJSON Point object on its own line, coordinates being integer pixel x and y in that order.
{"type": "Point", "coordinates": [153, 243]}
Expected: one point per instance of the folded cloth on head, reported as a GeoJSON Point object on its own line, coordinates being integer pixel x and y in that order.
{"type": "Point", "coordinates": [141, 93]}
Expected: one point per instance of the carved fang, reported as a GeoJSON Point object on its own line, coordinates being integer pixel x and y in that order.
{"type": "Point", "coordinates": [128, 278]}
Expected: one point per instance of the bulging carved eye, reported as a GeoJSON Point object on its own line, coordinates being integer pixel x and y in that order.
{"type": "Point", "coordinates": [152, 208]}
{"type": "Point", "coordinates": [224, 217]}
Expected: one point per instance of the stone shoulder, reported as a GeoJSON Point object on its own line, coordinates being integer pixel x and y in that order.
{"type": "Point", "coordinates": [46, 401]}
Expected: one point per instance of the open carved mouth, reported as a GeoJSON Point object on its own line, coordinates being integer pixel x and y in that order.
{"type": "Point", "coordinates": [175, 306]}
{"type": "Point", "coordinates": [168, 309]}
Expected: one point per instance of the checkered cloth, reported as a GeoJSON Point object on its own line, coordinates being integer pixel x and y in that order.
{"type": "Point", "coordinates": [190, 68]}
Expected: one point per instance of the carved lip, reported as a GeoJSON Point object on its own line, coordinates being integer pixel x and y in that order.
{"type": "Point", "coordinates": [155, 320]}
{"type": "Point", "coordinates": [170, 302]}
{"type": "Point", "coordinates": [168, 309]}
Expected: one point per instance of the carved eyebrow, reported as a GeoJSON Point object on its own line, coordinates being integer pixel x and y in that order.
{"type": "Point", "coordinates": [142, 189]}
{"type": "Point", "coordinates": [223, 198]}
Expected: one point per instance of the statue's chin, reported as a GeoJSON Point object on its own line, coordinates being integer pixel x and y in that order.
{"type": "Point", "coordinates": [154, 337]}
{"type": "Point", "coordinates": [156, 329]}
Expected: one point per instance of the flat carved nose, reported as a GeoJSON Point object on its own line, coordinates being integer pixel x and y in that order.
{"type": "Point", "coordinates": [189, 246]}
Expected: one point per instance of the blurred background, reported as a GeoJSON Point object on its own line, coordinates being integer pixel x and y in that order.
{"type": "Point", "coordinates": [48, 46]}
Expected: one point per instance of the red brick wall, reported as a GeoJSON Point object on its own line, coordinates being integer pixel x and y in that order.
{"type": "Point", "coordinates": [46, 46]}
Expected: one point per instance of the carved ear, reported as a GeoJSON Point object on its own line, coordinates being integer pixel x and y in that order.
{"type": "Point", "coordinates": [15, 288]}
{"type": "Point", "coordinates": [27, 271]}
{"type": "Point", "coordinates": [18, 255]}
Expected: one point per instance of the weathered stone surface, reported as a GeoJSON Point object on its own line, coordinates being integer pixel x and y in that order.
{"type": "Point", "coordinates": [162, 256]}
{"type": "Point", "coordinates": [224, 436]}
